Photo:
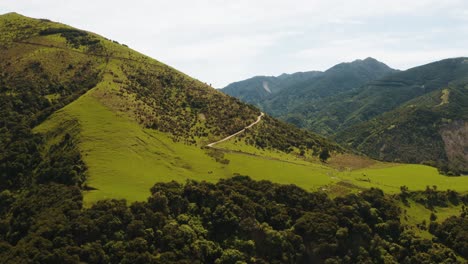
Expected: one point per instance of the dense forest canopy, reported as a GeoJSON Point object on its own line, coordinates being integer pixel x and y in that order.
{"type": "Point", "coordinates": [237, 220]}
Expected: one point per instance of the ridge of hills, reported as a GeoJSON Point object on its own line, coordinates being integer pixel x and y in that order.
{"type": "Point", "coordinates": [431, 127]}
{"type": "Point", "coordinates": [257, 89]}
{"type": "Point", "coordinates": [338, 79]}
{"type": "Point", "coordinates": [290, 91]}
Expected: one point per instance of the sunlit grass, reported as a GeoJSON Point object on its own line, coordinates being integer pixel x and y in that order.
{"type": "Point", "coordinates": [125, 160]}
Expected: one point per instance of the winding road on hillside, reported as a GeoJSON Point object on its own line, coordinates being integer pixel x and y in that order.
{"type": "Point", "coordinates": [259, 118]}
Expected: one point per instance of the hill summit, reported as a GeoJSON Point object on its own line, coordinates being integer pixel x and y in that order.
{"type": "Point", "coordinates": [108, 118]}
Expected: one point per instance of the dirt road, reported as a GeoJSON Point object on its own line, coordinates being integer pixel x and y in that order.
{"type": "Point", "coordinates": [259, 118]}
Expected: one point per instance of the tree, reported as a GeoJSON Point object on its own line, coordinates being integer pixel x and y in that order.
{"type": "Point", "coordinates": [324, 155]}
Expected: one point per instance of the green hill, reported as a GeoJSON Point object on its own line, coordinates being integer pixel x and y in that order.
{"type": "Point", "coordinates": [127, 119]}
{"type": "Point", "coordinates": [414, 116]}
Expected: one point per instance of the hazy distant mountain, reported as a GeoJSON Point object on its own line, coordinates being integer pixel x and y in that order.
{"type": "Point", "coordinates": [258, 88]}
{"type": "Point", "coordinates": [338, 79]}
{"type": "Point", "coordinates": [293, 96]}
{"type": "Point", "coordinates": [417, 115]}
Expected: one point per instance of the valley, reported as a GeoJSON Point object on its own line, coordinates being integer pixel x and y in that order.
{"type": "Point", "coordinates": [388, 115]}
{"type": "Point", "coordinates": [124, 160]}
{"type": "Point", "coordinates": [110, 156]}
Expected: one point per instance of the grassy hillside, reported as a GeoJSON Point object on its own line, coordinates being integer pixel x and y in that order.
{"type": "Point", "coordinates": [124, 159]}
{"type": "Point", "coordinates": [125, 120]}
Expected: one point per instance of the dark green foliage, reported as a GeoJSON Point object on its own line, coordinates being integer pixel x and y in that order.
{"type": "Point", "coordinates": [75, 37]}
{"type": "Point", "coordinates": [415, 131]}
{"type": "Point", "coordinates": [432, 198]}
{"type": "Point", "coordinates": [453, 232]}
{"type": "Point", "coordinates": [234, 220]}
{"type": "Point", "coordinates": [324, 155]}
{"type": "Point", "coordinates": [24, 105]}
{"type": "Point", "coordinates": [62, 164]}
{"type": "Point", "coordinates": [271, 133]}
{"type": "Point", "coordinates": [65, 31]}
{"type": "Point", "coordinates": [388, 115]}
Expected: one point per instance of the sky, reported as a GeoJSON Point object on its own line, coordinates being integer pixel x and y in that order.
{"type": "Point", "coordinates": [220, 41]}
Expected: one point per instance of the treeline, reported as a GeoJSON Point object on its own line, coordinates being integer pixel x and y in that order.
{"type": "Point", "coordinates": [236, 220]}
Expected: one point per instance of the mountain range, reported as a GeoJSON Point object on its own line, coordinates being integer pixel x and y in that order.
{"type": "Point", "coordinates": [415, 116]}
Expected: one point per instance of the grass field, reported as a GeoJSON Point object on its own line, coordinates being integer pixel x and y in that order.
{"type": "Point", "coordinates": [389, 177]}
{"type": "Point", "coordinates": [416, 214]}
{"type": "Point", "coordinates": [125, 160]}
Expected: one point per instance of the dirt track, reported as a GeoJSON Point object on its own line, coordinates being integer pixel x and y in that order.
{"type": "Point", "coordinates": [259, 118]}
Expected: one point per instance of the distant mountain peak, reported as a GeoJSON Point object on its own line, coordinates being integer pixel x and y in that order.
{"type": "Point", "coordinates": [368, 63]}
{"type": "Point", "coordinates": [368, 60]}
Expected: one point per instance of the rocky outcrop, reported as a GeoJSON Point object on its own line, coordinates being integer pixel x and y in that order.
{"type": "Point", "coordinates": [455, 136]}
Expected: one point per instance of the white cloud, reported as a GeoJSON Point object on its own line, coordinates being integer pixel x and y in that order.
{"type": "Point", "coordinates": [222, 41]}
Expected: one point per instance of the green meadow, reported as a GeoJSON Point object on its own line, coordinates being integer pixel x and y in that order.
{"type": "Point", "coordinates": [389, 177]}
{"type": "Point", "coordinates": [125, 160]}
{"type": "Point", "coordinates": [416, 214]}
